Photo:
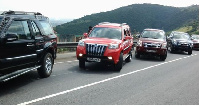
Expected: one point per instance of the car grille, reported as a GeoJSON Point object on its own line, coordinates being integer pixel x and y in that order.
{"type": "Point", "coordinates": [152, 45]}
{"type": "Point", "coordinates": [95, 49]}
{"type": "Point", "coordinates": [183, 44]}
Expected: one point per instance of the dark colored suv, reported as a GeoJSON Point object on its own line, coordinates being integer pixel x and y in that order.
{"type": "Point", "coordinates": [27, 42]}
{"type": "Point", "coordinates": [152, 42]}
{"type": "Point", "coordinates": [108, 43]}
{"type": "Point", "coordinates": [179, 41]}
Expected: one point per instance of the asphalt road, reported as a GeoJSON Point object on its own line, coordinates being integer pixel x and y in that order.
{"type": "Point", "coordinates": [144, 81]}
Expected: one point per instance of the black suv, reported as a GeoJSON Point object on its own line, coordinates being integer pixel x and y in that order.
{"type": "Point", "coordinates": [179, 41]}
{"type": "Point", "coordinates": [27, 42]}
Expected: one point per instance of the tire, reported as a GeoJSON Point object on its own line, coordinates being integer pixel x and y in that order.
{"type": "Point", "coordinates": [163, 57]}
{"type": "Point", "coordinates": [81, 64]}
{"type": "Point", "coordinates": [129, 58]}
{"type": "Point", "coordinates": [170, 49]}
{"type": "Point", "coordinates": [137, 55]}
{"type": "Point", "coordinates": [46, 66]}
{"type": "Point", "coordinates": [190, 52]}
{"type": "Point", "coordinates": [118, 66]}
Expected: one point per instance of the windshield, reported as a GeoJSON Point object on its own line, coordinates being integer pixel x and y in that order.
{"type": "Point", "coordinates": [153, 34]}
{"type": "Point", "coordinates": [181, 36]}
{"type": "Point", "coordinates": [195, 37]}
{"type": "Point", "coordinates": [111, 33]}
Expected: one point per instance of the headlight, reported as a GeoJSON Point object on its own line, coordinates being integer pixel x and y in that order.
{"type": "Point", "coordinates": [164, 45]}
{"type": "Point", "coordinates": [81, 43]}
{"type": "Point", "coordinates": [139, 43]}
{"type": "Point", "coordinates": [113, 46]}
{"type": "Point", "coordinates": [174, 42]}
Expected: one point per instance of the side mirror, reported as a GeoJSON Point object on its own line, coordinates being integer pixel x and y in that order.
{"type": "Point", "coordinates": [137, 36]}
{"type": "Point", "coordinates": [85, 35]}
{"type": "Point", "coordinates": [11, 37]}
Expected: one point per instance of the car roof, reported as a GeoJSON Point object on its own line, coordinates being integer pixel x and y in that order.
{"type": "Point", "coordinates": [23, 15]}
{"type": "Point", "coordinates": [111, 25]}
{"type": "Point", "coordinates": [150, 29]}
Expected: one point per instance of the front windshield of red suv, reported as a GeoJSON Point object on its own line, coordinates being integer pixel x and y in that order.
{"type": "Point", "coordinates": [111, 33]}
{"type": "Point", "coordinates": [153, 34]}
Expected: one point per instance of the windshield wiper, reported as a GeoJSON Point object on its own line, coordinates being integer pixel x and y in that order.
{"type": "Point", "coordinates": [145, 37]}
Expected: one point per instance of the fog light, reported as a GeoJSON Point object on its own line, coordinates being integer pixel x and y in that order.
{"type": "Point", "coordinates": [110, 58]}
{"type": "Point", "coordinates": [80, 55]}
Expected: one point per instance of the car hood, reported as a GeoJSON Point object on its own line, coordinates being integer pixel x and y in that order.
{"type": "Point", "coordinates": [183, 40]}
{"type": "Point", "coordinates": [150, 40]}
{"type": "Point", "coordinates": [101, 41]}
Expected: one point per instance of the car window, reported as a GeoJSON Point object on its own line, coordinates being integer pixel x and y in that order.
{"type": "Point", "coordinates": [47, 28]}
{"type": "Point", "coordinates": [20, 28]}
{"type": "Point", "coordinates": [153, 34]}
{"type": "Point", "coordinates": [181, 36]}
{"type": "Point", "coordinates": [35, 29]}
{"type": "Point", "coordinates": [195, 37]}
{"type": "Point", "coordinates": [111, 33]}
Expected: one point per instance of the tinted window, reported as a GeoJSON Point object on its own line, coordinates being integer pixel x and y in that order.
{"type": "Point", "coordinates": [20, 28]}
{"type": "Point", "coordinates": [195, 37]}
{"type": "Point", "coordinates": [35, 29]}
{"type": "Point", "coordinates": [111, 33]}
{"type": "Point", "coordinates": [47, 28]}
{"type": "Point", "coordinates": [181, 36]}
{"type": "Point", "coordinates": [153, 34]}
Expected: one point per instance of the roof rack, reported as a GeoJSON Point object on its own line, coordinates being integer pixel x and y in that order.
{"type": "Point", "coordinates": [10, 12]}
{"type": "Point", "coordinates": [104, 23]}
{"type": "Point", "coordinates": [112, 23]}
{"type": "Point", "coordinates": [37, 15]}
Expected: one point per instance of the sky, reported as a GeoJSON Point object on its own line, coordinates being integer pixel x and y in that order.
{"type": "Point", "coordinates": [74, 9]}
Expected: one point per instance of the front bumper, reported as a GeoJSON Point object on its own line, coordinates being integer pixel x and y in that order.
{"type": "Point", "coordinates": [195, 45]}
{"type": "Point", "coordinates": [110, 55]}
{"type": "Point", "coordinates": [151, 51]}
{"type": "Point", "coordinates": [181, 48]}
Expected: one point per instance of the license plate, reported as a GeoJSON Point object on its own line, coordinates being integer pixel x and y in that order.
{"type": "Point", "coordinates": [152, 51]}
{"type": "Point", "coordinates": [94, 59]}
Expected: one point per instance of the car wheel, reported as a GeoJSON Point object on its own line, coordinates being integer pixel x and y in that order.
{"type": "Point", "coordinates": [118, 66]}
{"type": "Point", "coordinates": [170, 49]}
{"type": "Point", "coordinates": [129, 58]}
{"type": "Point", "coordinates": [163, 57]}
{"type": "Point", "coordinates": [190, 52]}
{"type": "Point", "coordinates": [46, 66]}
{"type": "Point", "coordinates": [81, 63]}
{"type": "Point", "coordinates": [137, 55]}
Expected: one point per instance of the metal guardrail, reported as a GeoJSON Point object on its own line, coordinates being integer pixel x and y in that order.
{"type": "Point", "coordinates": [67, 44]}
{"type": "Point", "coordinates": [74, 44]}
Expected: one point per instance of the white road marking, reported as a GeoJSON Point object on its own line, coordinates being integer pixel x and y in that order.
{"type": "Point", "coordinates": [98, 82]}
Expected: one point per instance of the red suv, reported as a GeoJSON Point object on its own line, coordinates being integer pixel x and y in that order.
{"type": "Point", "coordinates": [108, 43]}
{"type": "Point", "coordinates": [152, 42]}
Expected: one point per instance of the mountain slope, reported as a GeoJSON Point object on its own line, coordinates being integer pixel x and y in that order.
{"type": "Point", "coordinates": [138, 16]}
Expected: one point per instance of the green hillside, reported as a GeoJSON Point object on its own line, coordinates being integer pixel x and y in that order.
{"type": "Point", "coordinates": [138, 16]}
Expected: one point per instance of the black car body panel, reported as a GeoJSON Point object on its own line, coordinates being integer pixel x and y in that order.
{"type": "Point", "coordinates": [24, 41]}
{"type": "Point", "coordinates": [179, 41]}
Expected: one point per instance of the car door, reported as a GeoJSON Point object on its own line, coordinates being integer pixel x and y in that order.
{"type": "Point", "coordinates": [18, 53]}
{"type": "Point", "coordinates": [126, 43]}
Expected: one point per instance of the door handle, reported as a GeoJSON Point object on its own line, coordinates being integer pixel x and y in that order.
{"type": "Point", "coordinates": [30, 45]}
